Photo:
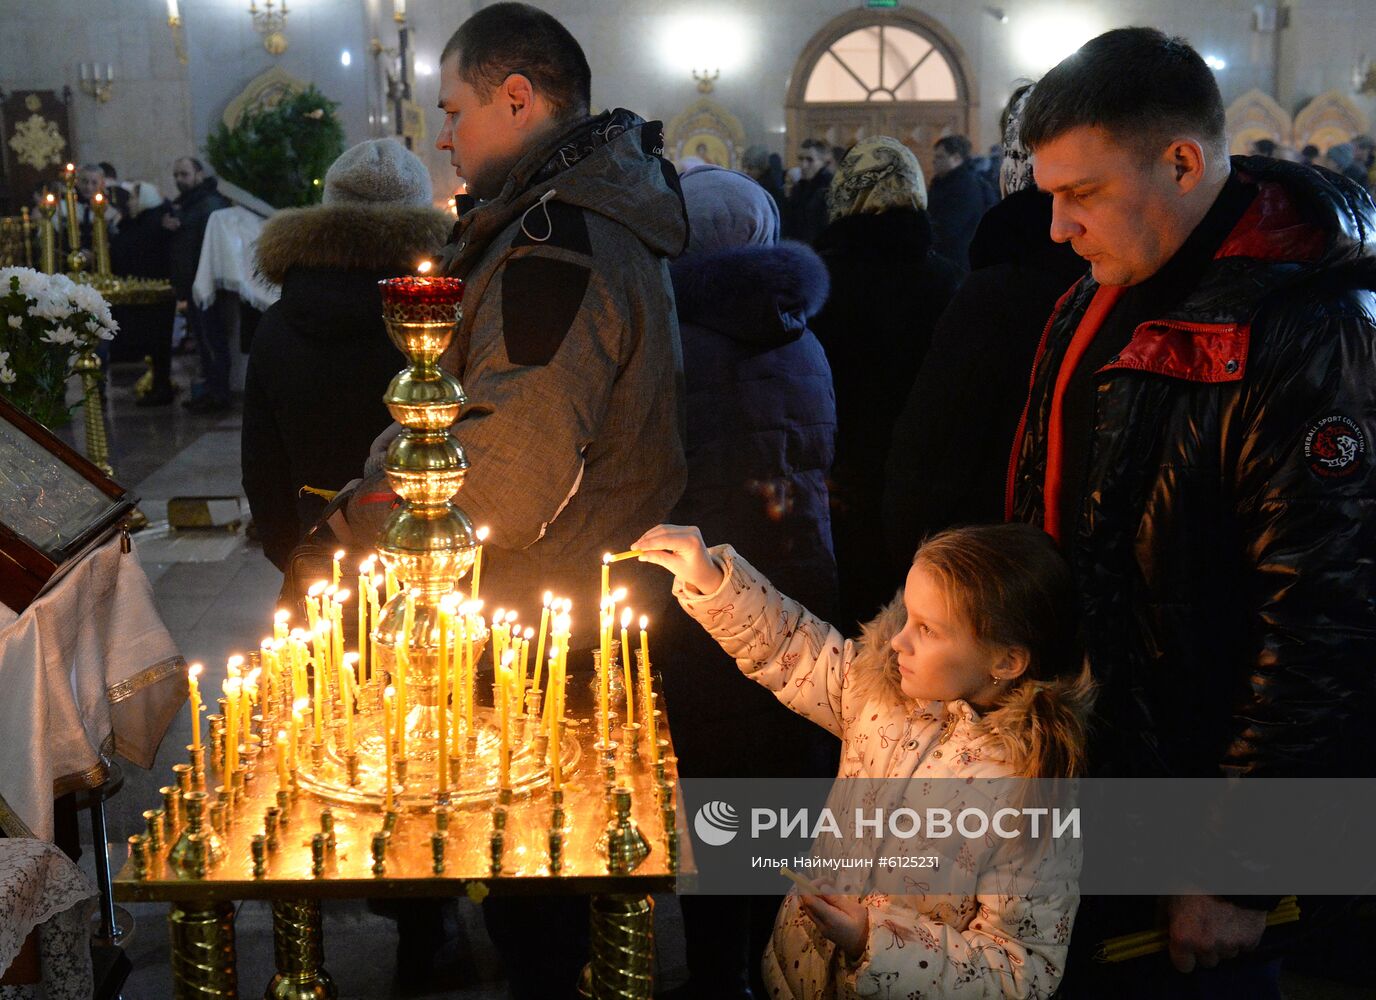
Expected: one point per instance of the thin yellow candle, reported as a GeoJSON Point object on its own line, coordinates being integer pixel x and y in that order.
{"type": "Point", "coordinates": [526, 636]}
{"type": "Point", "coordinates": [604, 681]}
{"type": "Point", "coordinates": [363, 620]}
{"type": "Point", "coordinates": [318, 731]}
{"type": "Point", "coordinates": [389, 697]}
{"type": "Point", "coordinates": [504, 683]}
{"type": "Point", "coordinates": [312, 607]}
{"type": "Point", "coordinates": [606, 577]}
{"type": "Point", "coordinates": [282, 771]}
{"type": "Point", "coordinates": [471, 624]}
{"type": "Point", "coordinates": [298, 722]}
{"type": "Point", "coordinates": [346, 694]}
{"type": "Point", "coordinates": [373, 615]}
{"type": "Point", "coordinates": [335, 568]}
{"type": "Point", "coordinates": [647, 702]}
{"type": "Point", "coordinates": [231, 689]}
{"type": "Point", "coordinates": [193, 683]}
{"type": "Point", "coordinates": [250, 695]}
{"type": "Point", "coordinates": [626, 665]}
{"type": "Point", "coordinates": [612, 557]}
{"type": "Point", "coordinates": [481, 535]}
{"type": "Point", "coordinates": [392, 584]}
{"type": "Point", "coordinates": [540, 641]}
{"type": "Point", "coordinates": [279, 623]}
{"type": "Point", "coordinates": [337, 610]}
{"type": "Point", "coordinates": [442, 701]}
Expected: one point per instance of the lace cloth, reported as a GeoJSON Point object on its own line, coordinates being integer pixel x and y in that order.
{"type": "Point", "coordinates": [227, 260]}
{"type": "Point", "coordinates": [88, 669]}
{"type": "Point", "coordinates": [40, 887]}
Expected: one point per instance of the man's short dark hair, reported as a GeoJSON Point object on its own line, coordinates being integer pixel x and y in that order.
{"type": "Point", "coordinates": [822, 148]}
{"type": "Point", "coordinates": [196, 164]}
{"type": "Point", "coordinates": [109, 170]}
{"type": "Point", "coordinates": [514, 38]}
{"type": "Point", "coordinates": [1264, 147]}
{"type": "Point", "coordinates": [954, 145]}
{"type": "Point", "coordinates": [1138, 84]}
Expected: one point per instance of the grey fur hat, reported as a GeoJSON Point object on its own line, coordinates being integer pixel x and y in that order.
{"type": "Point", "coordinates": [378, 171]}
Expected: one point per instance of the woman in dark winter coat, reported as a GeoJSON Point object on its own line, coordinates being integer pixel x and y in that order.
{"type": "Point", "coordinates": [887, 290]}
{"type": "Point", "coordinates": [760, 438]}
{"type": "Point", "coordinates": [321, 360]}
{"type": "Point", "coordinates": [949, 457]}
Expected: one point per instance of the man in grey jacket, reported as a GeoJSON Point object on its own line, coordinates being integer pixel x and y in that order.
{"type": "Point", "coordinates": [568, 349]}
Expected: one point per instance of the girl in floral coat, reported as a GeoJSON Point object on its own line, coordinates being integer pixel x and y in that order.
{"type": "Point", "coordinates": [974, 673]}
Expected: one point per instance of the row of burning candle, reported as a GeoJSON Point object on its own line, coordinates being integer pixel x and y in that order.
{"type": "Point", "coordinates": [311, 660]}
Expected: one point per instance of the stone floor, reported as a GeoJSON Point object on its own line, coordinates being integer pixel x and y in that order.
{"type": "Point", "coordinates": [216, 596]}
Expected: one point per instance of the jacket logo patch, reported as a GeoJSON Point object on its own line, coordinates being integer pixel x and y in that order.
{"type": "Point", "coordinates": [1334, 447]}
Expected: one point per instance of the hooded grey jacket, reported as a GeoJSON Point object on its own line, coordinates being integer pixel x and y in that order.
{"type": "Point", "coordinates": [569, 353]}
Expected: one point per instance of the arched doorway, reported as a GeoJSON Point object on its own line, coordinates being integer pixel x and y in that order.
{"type": "Point", "coordinates": [870, 72]}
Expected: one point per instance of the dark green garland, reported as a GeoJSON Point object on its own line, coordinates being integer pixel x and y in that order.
{"type": "Point", "coordinates": [281, 153]}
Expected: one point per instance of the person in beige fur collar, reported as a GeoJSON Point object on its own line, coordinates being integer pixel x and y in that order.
{"type": "Point", "coordinates": [974, 671]}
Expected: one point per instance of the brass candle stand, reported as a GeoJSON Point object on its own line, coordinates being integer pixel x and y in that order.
{"type": "Point", "coordinates": [339, 824]}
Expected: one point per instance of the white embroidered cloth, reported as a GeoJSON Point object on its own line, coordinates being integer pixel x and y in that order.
{"type": "Point", "coordinates": [88, 669]}
{"type": "Point", "coordinates": [40, 887]}
{"type": "Point", "coordinates": [227, 260]}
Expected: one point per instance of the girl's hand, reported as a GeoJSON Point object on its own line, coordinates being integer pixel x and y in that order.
{"type": "Point", "coordinates": [843, 919]}
{"type": "Point", "coordinates": [681, 551]}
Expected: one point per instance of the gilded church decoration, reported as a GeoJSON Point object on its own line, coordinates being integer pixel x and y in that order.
{"type": "Point", "coordinates": [266, 90]}
{"type": "Point", "coordinates": [1253, 116]}
{"type": "Point", "coordinates": [1329, 119]}
{"type": "Point", "coordinates": [37, 142]}
{"type": "Point", "coordinates": [707, 131]}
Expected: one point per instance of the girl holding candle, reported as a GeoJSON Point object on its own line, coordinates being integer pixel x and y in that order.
{"type": "Point", "coordinates": [975, 672]}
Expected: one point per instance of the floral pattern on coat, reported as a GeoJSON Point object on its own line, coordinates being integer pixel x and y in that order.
{"type": "Point", "coordinates": [992, 942]}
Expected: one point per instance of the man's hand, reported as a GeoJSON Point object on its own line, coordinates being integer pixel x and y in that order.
{"type": "Point", "coordinates": [843, 919]}
{"type": "Point", "coordinates": [681, 551]}
{"type": "Point", "coordinates": [1207, 930]}
{"type": "Point", "coordinates": [171, 222]}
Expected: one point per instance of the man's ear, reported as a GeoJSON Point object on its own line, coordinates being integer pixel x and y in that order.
{"type": "Point", "coordinates": [1188, 163]}
{"type": "Point", "coordinates": [519, 96]}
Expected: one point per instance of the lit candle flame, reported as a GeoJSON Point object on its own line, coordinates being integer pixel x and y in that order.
{"type": "Point", "coordinates": [644, 622]}
{"type": "Point", "coordinates": [300, 704]}
{"type": "Point", "coordinates": [283, 616]}
{"type": "Point", "coordinates": [626, 616]}
{"type": "Point", "coordinates": [424, 267]}
{"type": "Point", "coordinates": [317, 588]}
{"type": "Point", "coordinates": [481, 534]}
{"type": "Point", "coordinates": [195, 670]}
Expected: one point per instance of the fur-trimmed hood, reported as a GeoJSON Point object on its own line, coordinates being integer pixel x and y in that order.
{"type": "Point", "coordinates": [350, 238]}
{"type": "Point", "coordinates": [761, 295]}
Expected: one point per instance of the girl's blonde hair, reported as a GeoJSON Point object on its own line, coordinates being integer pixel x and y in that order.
{"type": "Point", "coordinates": [1013, 588]}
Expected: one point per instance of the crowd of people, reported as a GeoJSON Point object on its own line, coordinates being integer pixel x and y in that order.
{"type": "Point", "coordinates": [1065, 474]}
{"type": "Point", "coordinates": [151, 236]}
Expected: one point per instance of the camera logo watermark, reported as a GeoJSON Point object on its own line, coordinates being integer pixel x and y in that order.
{"type": "Point", "coordinates": [716, 824]}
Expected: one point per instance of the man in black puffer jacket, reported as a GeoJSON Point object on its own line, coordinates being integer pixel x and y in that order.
{"type": "Point", "coordinates": [1198, 439]}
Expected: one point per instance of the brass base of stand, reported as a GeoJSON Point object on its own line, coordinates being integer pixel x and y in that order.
{"type": "Point", "coordinates": [299, 946]}
{"type": "Point", "coordinates": [203, 951]}
{"type": "Point", "coordinates": [622, 962]}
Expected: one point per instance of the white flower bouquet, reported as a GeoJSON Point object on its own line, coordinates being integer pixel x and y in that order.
{"type": "Point", "coordinates": [46, 321]}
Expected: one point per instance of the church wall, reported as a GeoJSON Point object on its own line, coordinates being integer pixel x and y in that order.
{"type": "Point", "coordinates": [641, 53]}
{"type": "Point", "coordinates": [147, 121]}
{"type": "Point", "coordinates": [640, 61]}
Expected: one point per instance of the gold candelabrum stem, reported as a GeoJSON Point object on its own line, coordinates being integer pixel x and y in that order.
{"type": "Point", "coordinates": [75, 261]}
{"type": "Point", "coordinates": [26, 231]}
{"type": "Point", "coordinates": [100, 240]}
{"type": "Point", "coordinates": [203, 961]}
{"type": "Point", "coordinates": [427, 542]}
{"type": "Point", "coordinates": [47, 238]}
{"type": "Point", "coordinates": [97, 444]}
{"type": "Point", "coordinates": [298, 943]}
